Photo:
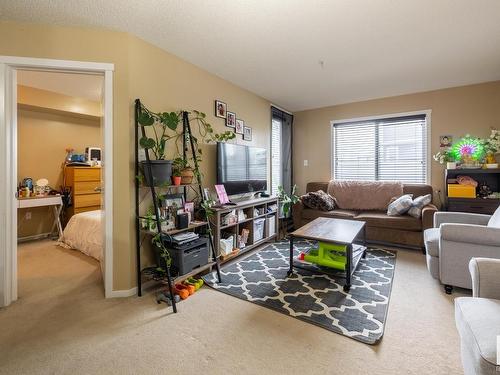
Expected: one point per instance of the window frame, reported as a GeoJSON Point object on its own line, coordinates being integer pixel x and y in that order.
{"type": "Point", "coordinates": [426, 112]}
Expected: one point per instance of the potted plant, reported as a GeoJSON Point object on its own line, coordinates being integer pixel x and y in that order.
{"type": "Point", "coordinates": [286, 201]}
{"type": "Point", "coordinates": [185, 171]}
{"type": "Point", "coordinates": [492, 146]}
{"type": "Point", "coordinates": [161, 168]}
{"type": "Point", "coordinates": [446, 156]}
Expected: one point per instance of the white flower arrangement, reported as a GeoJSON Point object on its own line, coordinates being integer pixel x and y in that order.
{"type": "Point", "coordinates": [492, 143]}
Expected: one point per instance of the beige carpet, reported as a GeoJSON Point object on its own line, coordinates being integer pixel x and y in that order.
{"type": "Point", "coordinates": [62, 325]}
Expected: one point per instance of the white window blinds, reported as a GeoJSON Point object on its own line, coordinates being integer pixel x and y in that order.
{"type": "Point", "coordinates": [385, 149]}
{"type": "Point", "coordinates": [275, 155]}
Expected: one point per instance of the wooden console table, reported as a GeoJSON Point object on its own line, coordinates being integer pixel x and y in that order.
{"type": "Point", "coordinates": [248, 207]}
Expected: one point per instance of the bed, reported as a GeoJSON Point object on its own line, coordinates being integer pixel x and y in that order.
{"type": "Point", "coordinates": [84, 233]}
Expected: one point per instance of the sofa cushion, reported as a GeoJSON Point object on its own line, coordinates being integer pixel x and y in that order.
{"type": "Point", "coordinates": [431, 241]}
{"type": "Point", "coordinates": [311, 214]}
{"type": "Point", "coordinates": [318, 200]}
{"type": "Point", "coordinates": [400, 205]}
{"type": "Point", "coordinates": [418, 204]}
{"type": "Point", "coordinates": [495, 219]}
{"type": "Point", "coordinates": [478, 323]}
{"type": "Point", "coordinates": [381, 220]}
{"type": "Point", "coordinates": [364, 195]}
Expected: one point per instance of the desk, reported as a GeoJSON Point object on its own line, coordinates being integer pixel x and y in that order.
{"type": "Point", "coordinates": [50, 200]}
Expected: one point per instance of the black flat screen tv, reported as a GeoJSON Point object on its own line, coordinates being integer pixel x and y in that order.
{"type": "Point", "coordinates": [241, 169]}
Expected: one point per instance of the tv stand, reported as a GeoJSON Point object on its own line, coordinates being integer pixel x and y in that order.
{"type": "Point", "coordinates": [221, 230]}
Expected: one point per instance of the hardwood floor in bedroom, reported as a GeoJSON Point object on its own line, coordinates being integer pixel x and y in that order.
{"type": "Point", "coordinates": [62, 325]}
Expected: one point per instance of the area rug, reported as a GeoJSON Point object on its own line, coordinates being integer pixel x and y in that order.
{"type": "Point", "coordinates": [312, 296]}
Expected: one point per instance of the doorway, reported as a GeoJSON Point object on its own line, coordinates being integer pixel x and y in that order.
{"type": "Point", "coordinates": [13, 72]}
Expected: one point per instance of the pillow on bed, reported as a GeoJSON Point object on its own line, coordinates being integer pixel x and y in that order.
{"type": "Point", "coordinates": [318, 200]}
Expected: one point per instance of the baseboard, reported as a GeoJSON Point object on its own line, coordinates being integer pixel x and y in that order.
{"type": "Point", "coordinates": [130, 292]}
{"type": "Point", "coordinates": [122, 293]}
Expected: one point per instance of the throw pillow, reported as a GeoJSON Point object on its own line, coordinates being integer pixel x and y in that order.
{"type": "Point", "coordinates": [400, 205]}
{"type": "Point", "coordinates": [318, 200]}
{"type": "Point", "coordinates": [418, 204]}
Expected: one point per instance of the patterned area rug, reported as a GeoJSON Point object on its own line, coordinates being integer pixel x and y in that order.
{"type": "Point", "coordinates": [311, 295]}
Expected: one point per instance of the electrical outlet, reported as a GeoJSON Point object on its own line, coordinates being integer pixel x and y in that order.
{"type": "Point", "coordinates": [27, 215]}
{"type": "Point", "coordinates": [306, 163]}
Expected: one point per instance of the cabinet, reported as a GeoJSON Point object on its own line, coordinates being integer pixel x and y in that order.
{"type": "Point", "coordinates": [473, 204]}
{"type": "Point", "coordinates": [85, 184]}
{"type": "Point", "coordinates": [259, 216]}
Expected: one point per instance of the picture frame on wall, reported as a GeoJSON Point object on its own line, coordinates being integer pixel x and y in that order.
{"type": "Point", "coordinates": [240, 125]}
{"type": "Point", "coordinates": [231, 119]}
{"type": "Point", "coordinates": [220, 109]}
{"type": "Point", "coordinates": [247, 133]}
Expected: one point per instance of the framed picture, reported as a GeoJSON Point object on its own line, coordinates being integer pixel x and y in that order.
{"type": "Point", "coordinates": [189, 207]}
{"type": "Point", "coordinates": [231, 119]}
{"type": "Point", "coordinates": [247, 133]}
{"type": "Point", "coordinates": [240, 124]}
{"type": "Point", "coordinates": [206, 194]}
{"type": "Point", "coordinates": [220, 109]}
{"type": "Point", "coordinates": [445, 141]}
{"type": "Point", "coordinates": [173, 200]}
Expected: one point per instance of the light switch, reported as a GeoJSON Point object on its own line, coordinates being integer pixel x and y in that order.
{"type": "Point", "coordinates": [306, 163]}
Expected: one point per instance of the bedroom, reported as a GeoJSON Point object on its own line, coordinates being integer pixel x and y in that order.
{"type": "Point", "coordinates": [59, 173]}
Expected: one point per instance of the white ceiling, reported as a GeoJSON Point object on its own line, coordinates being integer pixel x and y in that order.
{"type": "Point", "coordinates": [85, 86]}
{"type": "Point", "coordinates": [370, 48]}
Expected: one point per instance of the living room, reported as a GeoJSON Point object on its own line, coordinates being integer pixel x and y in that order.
{"type": "Point", "coordinates": [390, 109]}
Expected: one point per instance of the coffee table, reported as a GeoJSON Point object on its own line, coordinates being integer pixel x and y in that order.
{"type": "Point", "coordinates": [334, 231]}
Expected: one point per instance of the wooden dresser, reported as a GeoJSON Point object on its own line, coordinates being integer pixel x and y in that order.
{"type": "Point", "coordinates": [85, 183]}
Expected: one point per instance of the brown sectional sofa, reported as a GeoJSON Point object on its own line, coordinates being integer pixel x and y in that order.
{"type": "Point", "coordinates": [399, 230]}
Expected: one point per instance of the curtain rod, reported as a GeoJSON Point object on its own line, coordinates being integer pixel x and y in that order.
{"type": "Point", "coordinates": [281, 109]}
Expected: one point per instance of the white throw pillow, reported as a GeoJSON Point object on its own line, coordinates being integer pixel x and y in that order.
{"type": "Point", "coordinates": [400, 206]}
{"type": "Point", "coordinates": [418, 204]}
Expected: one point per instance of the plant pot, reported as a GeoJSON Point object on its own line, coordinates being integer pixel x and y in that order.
{"type": "Point", "coordinates": [451, 165]}
{"type": "Point", "coordinates": [176, 180]}
{"type": "Point", "coordinates": [160, 169]}
{"type": "Point", "coordinates": [187, 175]}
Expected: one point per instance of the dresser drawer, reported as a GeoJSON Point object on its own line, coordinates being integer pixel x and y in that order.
{"type": "Point", "coordinates": [87, 200]}
{"type": "Point", "coordinates": [86, 187]}
{"type": "Point", "coordinates": [87, 174]}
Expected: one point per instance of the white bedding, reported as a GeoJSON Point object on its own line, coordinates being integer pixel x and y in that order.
{"type": "Point", "coordinates": [84, 233]}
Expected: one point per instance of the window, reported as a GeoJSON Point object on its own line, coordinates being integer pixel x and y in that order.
{"type": "Point", "coordinates": [275, 155]}
{"type": "Point", "coordinates": [383, 149]}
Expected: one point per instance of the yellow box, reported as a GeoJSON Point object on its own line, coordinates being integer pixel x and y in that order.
{"type": "Point", "coordinates": [461, 191]}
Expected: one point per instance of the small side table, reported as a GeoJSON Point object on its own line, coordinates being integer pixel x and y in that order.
{"type": "Point", "coordinates": [51, 200]}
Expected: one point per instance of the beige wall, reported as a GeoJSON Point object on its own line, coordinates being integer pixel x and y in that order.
{"type": "Point", "coordinates": [457, 111]}
{"type": "Point", "coordinates": [161, 80]}
{"type": "Point", "coordinates": [46, 127]}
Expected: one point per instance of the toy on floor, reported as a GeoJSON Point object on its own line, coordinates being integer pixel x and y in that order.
{"type": "Point", "coordinates": [328, 255]}
{"type": "Point", "coordinates": [165, 297]}
{"type": "Point", "coordinates": [197, 283]}
{"type": "Point", "coordinates": [181, 291]}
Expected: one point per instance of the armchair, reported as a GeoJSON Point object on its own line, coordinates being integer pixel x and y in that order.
{"type": "Point", "coordinates": [455, 239]}
{"type": "Point", "coordinates": [478, 318]}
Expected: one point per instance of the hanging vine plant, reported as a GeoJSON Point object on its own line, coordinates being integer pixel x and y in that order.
{"type": "Point", "coordinates": [164, 128]}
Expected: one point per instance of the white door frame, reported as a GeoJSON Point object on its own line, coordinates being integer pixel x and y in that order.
{"type": "Point", "coordinates": [8, 164]}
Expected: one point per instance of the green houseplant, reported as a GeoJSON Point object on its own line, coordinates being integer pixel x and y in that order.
{"type": "Point", "coordinates": [287, 201]}
{"type": "Point", "coordinates": [165, 127]}
{"type": "Point", "coordinates": [159, 123]}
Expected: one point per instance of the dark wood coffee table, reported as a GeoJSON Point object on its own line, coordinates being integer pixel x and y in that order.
{"type": "Point", "coordinates": [336, 231]}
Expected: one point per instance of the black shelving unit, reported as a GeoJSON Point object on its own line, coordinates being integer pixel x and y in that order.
{"type": "Point", "coordinates": [474, 205]}
{"type": "Point", "coordinates": [188, 146]}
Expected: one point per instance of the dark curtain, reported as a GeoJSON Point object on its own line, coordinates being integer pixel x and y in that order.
{"type": "Point", "coordinates": [286, 120]}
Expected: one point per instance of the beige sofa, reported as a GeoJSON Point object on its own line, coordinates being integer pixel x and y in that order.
{"type": "Point", "coordinates": [399, 230]}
